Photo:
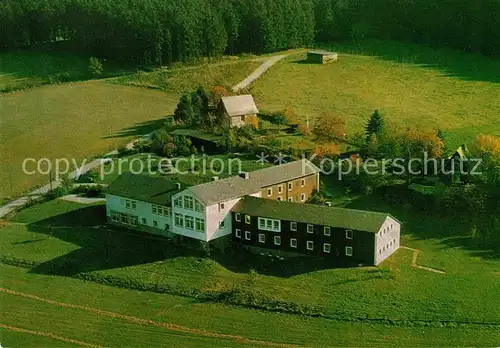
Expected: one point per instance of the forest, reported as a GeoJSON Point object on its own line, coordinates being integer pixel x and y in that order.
{"type": "Point", "coordinates": [163, 31]}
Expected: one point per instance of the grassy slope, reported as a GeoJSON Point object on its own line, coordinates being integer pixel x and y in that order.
{"type": "Point", "coordinates": [81, 120]}
{"type": "Point", "coordinates": [412, 293]}
{"type": "Point", "coordinates": [89, 327]}
{"type": "Point", "coordinates": [411, 85]}
{"type": "Point", "coordinates": [226, 73]}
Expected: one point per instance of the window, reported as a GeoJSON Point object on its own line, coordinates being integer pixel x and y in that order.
{"type": "Point", "coordinates": [262, 238]}
{"type": "Point", "coordinates": [167, 211]}
{"type": "Point", "coordinates": [200, 225]}
{"type": "Point", "coordinates": [160, 210]}
{"type": "Point", "coordinates": [221, 224]}
{"type": "Point", "coordinates": [115, 217]}
{"type": "Point", "coordinates": [133, 220]}
{"type": "Point", "coordinates": [242, 118]}
{"type": "Point", "coordinates": [327, 231]}
{"type": "Point", "coordinates": [348, 251]}
{"type": "Point", "coordinates": [155, 223]}
{"type": "Point", "coordinates": [310, 245]}
{"type": "Point", "coordinates": [290, 185]}
{"type": "Point", "coordinates": [380, 251]}
{"type": "Point", "coordinates": [179, 220]}
{"type": "Point", "coordinates": [269, 192]}
{"type": "Point", "coordinates": [293, 226]}
{"type": "Point", "coordinates": [390, 244]}
{"type": "Point", "coordinates": [247, 219]}
{"type": "Point", "coordinates": [310, 229]}
{"type": "Point", "coordinates": [237, 217]}
{"type": "Point", "coordinates": [277, 240]}
{"type": "Point", "coordinates": [154, 209]}
{"type": "Point", "coordinates": [178, 202]}
{"type": "Point", "coordinates": [238, 233]}
{"type": "Point", "coordinates": [269, 225]}
{"type": "Point", "coordinates": [198, 207]}
{"type": "Point", "coordinates": [144, 221]}
{"type": "Point", "coordinates": [302, 197]}
{"type": "Point", "coordinates": [123, 218]}
{"type": "Point", "coordinates": [221, 206]}
{"type": "Point", "coordinates": [133, 204]}
{"type": "Point", "coordinates": [189, 222]}
{"type": "Point", "coordinates": [293, 242]}
{"type": "Point", "coordinates": [290, 199]}
{"type": "Point", "coordinates": [127, 203]}
{"type": "Point", "coordinates": [188, 203]}
{"type": "Point", "coordinates": [348, 234]}
{"type": "Point", "coordinates": [302, 182]}
{"type": "Point", "coordinates": [327, 248]}
{"type": "Point", "coordinates": [167, 227]}
{"type": "Point", "coordinates": [280, 188]}
{"type": "Point", "coordinates": [279, 198]}
{"type": "Point", "coordinates": [248, 235]}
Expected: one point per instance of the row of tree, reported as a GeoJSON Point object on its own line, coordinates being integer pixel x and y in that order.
{"type": "Point", "coordinates": [163, 31]}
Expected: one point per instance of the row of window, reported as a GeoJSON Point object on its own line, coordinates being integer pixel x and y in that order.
{"type": "Point", "coordinates": [386, 230]}
{"type": "Point", "coordinates": [189, 203]}
{"type": "Point", "coordinates": [189, 222]}
{"type": "Point", "coordinates": [293, 242]}
{"type": "Point", "coordinates": [290, 187]}
{"type": "Point", "coordinates": [269, 225]}
{"type": "Point", "coordinates": [133, 220]}
{"type": "Point", "coordinates": [161, 210]}
{"type": "Point", "coordinates": [290, 199]}
{"type": "Point", "coordinates": [391, 244]}
{"type": "Point", "coordinates": [128, 203]}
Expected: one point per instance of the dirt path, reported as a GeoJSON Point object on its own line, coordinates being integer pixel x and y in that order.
{"type": "Point", "coordinates": [258, 72]}
{"type": "Point", "coordinates": [49, 335]}
{"type": "Point", "coordinates": [414, 261]}
{"type": "Point", "coordinates": [147, 322]}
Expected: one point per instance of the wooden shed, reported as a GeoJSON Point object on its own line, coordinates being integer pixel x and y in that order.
{"type": "Point", "coordinates": [322, 57]}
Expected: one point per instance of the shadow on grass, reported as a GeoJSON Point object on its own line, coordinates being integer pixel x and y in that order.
{"type": "Point", "coordinates": [453, 63]}
{"type": "Point", "coordinates": [139, 129]}
{"type": "Point", "coordinates": [103, 248]}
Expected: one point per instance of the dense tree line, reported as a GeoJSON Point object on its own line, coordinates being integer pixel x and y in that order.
{"type": "Point", "coordinates": [162, 31]}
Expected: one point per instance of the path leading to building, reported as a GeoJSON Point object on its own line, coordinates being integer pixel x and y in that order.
{"type": "Point", "coordinates": [22, 201]}
{"type": "Point", "coordinates": [258, 72]}
{"type": "Point", "coordinates": [146, 322]}
{"type": "Point", "coordinates": [414, 261]}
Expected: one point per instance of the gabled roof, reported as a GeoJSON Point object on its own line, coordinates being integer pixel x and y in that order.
{"type": "Point", "coordinates": [143, 188]}
{"type": "Point", "coordinates": [359, 220]}
{"type": "Point", "coordinates": [236, 186]}
{"type": "Point", "coordinates": [462, 152]}
{"type": "Point", "coordinates": [239, 105]}
{"type": "Point", "coordinates": [322, 52]}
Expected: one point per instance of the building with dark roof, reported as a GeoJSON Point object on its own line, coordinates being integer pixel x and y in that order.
{"type": "Point", "coordinates": [322, 56]}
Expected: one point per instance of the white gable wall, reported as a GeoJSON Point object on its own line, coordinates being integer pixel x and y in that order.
{"type": "Point", "coordinates": [183, 231]}
{"type": "Point", "coordinates": [389, 232]}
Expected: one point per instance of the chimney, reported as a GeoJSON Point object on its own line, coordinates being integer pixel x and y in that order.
{"type": "Point", "coordinates": [244, 175]}
{"type": "Point", "coordinates": [178, 185]}
{"type": "Point", "coordinates": [215, 178]}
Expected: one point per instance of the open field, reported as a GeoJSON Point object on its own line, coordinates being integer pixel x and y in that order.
{"type": "Point", "coordinates": [409, 84]}
{"type": "Point", "coordinates": [185, 79]}
{"type": "Point", "coordinates": [48, 311]}
{"type": "Point", "coordinates": [85, 119]}
{"type": "Point", "coordinates": [462, 293]}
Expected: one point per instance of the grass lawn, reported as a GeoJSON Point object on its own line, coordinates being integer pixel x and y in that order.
{"type": "Point", "coordinates": [193, 170]}
{"type": "Point", "coordinates": [409, 84]}
{"type": "Point", "coordinates": [186, 79]}
{"type": "Point", "coordinates": [96, 328]}
{"type": "Point", "coordinates": [395, 290]}
{"type": "Point", "coordinates": [85, 119]}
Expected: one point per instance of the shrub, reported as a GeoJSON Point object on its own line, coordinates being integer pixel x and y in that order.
{"type": "Point", "coordinates": [96, 68]}
{"type": "Point", "coordinates": [304, 130]}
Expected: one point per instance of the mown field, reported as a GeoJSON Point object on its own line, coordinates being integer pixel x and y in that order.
{"type": "Point", "coordinates": [409, 84]}
{"type": "Point", "coordinates": [195, 324]}
{"type": "Point", "coordinates": [395, 291]}
{"type": "Point", "coordinates": [86, 119]}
